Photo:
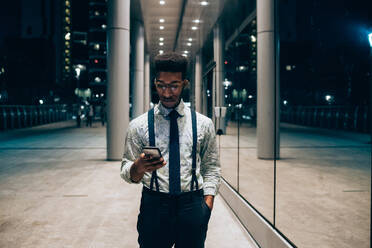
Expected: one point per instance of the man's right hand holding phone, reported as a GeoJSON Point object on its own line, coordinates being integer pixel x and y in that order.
{"type": "Point", "coordinates": [145, 164]}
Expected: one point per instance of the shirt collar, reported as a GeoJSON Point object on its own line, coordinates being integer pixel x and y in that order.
{"type": "Point", "coordinates": [180, 108]}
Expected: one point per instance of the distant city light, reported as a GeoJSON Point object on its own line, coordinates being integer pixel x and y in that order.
{"type": "Point", "coordinates": [227, 83]}
{"type": "Point", "coordinates": [77, 70]}
{"type": "Point", "coordinates": [253, 38]}
{"type": "Point", "coordinates": [225, 96]}
{"type": "Point", "coordinates": [102, 94]}
{"type": "Point", "coordinates": [370, 39]}
{"type": "Point", "coordinates": [226, 62]}
{"type": "Point", "coordinates": [41, 101]}
{"type": "Point", "coordinates": [288, 67]}
{"type": "Point", "coordinates": [285, 102]}
{"type": "Point", "coordinates": [329, 99]}
{"type": "Point", "coordinates": [68, 36]}
{"type": "Point", "coordinates": [97, 79]}
{"type": "Point", "coordinates": [250, 96]}
{"type": "Point", "coordinates": [96, 61]}
{"type": "Point", "coordinates": [96, 47]}
{"type": "Point", "coordinates": [103, 26]}
{"type": "Point", "coordinates": [97, 95]}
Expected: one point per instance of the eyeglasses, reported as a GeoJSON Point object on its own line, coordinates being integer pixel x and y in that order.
{"type": "Point", "coordinates": [172, 87]}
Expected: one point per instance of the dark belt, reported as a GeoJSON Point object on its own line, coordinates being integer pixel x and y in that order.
{"type": "Point", "coordinates": [166, 196]}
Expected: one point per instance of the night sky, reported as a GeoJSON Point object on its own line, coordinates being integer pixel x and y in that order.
{"type": "Point", "coordinates": [330, 45]}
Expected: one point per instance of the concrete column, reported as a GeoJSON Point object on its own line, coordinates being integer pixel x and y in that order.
{"type": "Point", "coordinates": [138, 71]}
{"type": "Point", "coordinates": [267, 83]}
{"type": "Point", "coordinates": [219, 90]}
{"type": "Point", "coordinates": [117, 77]}
{"type": "Point", "coordinates": [198, 84]}
{"type": "Point", "coordinates": [147, 84]}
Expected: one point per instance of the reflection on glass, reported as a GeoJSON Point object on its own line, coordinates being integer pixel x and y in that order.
{"type": "Point", "coordinates": [255, 178]}
{"type": "Point", "coordinates": [324, 173]}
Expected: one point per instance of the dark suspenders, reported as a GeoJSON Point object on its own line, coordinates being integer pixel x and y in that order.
{"type": "Point", "coordinates": [150, 122]}
{"type": "Point", "coordinates": [151, 128]}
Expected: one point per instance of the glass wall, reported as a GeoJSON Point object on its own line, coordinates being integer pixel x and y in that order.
{"type": "Point", "coordinates": [317, 193]}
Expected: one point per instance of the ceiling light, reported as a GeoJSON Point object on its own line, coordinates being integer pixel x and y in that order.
{"type": "Point", "coordinates": [186, 52]}
{"type": "Point", "coordinates": [194, 28]}
{"type": "Point", "coordinates": [189, 44]}
{"type": "Point", "coordinates": [162, 2]}
{"type": "Point", "coordinates": [161, 44]}
{"type": "Point", "coordinates": [161, 20]}
{"type": "Point", "coordinates": [161, 27]}
{"type": "Point", "coordinates": [161, 38]}
{"type": "Point", "coordinates": [161, 51]}
{"type": "Point", "coordinates": [190, 39]}
{"type": "Point", "coordinates": [196, 21]}
{"type": "Point", "coordinates": [184, 55]}
{"type": "Point", "coordinates": [204, 3]}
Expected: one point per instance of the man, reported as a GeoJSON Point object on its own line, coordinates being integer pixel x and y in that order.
{"type": "Point", "coordinates": [179, 188]}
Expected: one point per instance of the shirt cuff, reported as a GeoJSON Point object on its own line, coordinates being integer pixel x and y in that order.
{"type": "Point", "coordinates": [210, 190]}
{"type": "Point", "coordinates": [125, 172]}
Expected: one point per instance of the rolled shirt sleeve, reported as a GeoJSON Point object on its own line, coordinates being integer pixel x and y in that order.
{"type": "Point", "coordinates": [210, 166]}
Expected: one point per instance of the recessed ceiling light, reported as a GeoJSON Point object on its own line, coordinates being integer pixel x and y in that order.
{"type": "Point", "coordinates": [186, 52]}
{"type": "Point", "coordinates": [194, 28]}
{"type": "Point", "coordinates": [161, 27]}
{"type": "Point", "coordinates": [190, 39]}
{"type": "Point", "coordinates": [189, 44]}
{"type": "Point", "coordinates": [161, 44]}
{"type": "Point", "coordinates": [196, 21]}
{"type": "Point", "coordinates": [161, 20]}
{"type": "Point", "coordinates": [184, 55]}
{"type": "Point", "coordinates": [161, 38]}
{"type": "Point", "coordinates": [161, 51]}
{"type": "Point", "coordinates": [162, 2]}
{"type": "Point", "coordinates": [204, 3]}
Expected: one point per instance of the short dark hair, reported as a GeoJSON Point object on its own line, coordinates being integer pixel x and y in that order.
{"type": "Point", "coordinates": [170, 62]}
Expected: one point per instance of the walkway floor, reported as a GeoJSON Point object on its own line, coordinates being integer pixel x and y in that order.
{"type": "Point", "coordinates": [57, 190]}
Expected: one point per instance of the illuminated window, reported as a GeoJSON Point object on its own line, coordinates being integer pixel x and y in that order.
{"type": "Point", "coordinates": [96, 13]}
{"type": "Point", "coordinates": [96, 47]}
{"type": "Point", "coordinates": [97, 80]}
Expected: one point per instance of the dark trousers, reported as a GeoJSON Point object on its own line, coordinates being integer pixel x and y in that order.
{"type": "Point", "coordinates": [165, 220]}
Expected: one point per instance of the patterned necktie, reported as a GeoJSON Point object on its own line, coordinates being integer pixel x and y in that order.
{"type": "Point", "coordinates": [174, 155]}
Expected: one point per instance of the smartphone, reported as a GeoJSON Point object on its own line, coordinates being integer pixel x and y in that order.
{"type": "Point", "coordinates": [151, 152]}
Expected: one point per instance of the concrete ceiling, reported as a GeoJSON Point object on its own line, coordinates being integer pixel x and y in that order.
{"type": "Point", "coordinates": [179, 19]}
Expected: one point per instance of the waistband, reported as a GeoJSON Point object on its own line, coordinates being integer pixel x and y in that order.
{"type": "Point", "coordinates": [164, 195]}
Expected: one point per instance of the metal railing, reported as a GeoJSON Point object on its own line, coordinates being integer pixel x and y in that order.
{"type": "Point", "coordinates": [352, 118]}
{"type": "Point", "coordinates": [21, 116]}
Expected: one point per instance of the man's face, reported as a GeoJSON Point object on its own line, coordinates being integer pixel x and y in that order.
{"type": "Point", "coordinates": [169, 86]}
